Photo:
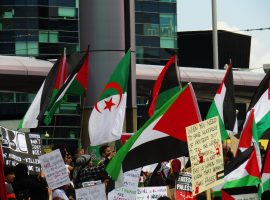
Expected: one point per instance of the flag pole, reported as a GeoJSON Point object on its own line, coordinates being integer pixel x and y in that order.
{"type": "Point", "coordinates": [177, 68]}
{"type": "Point", "coordinates": [82, 118]}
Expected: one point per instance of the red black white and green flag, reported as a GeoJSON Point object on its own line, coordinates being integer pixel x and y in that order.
{"type": "Point", "coordinates": [224, 106]}
{"type": "Point", "coordinates": [260, 102]}
{"type": "Point", "coordinates": [162, 137]}
{"type": "Point", "coordinates": [243, 170]}
{"type": "Point", "coordinates": [45, 94]}
{"type": "Point", "coordinates": [107, 117]}
{"type": "Point", "coordinates": [75, 83]}
{"type": "Point", "coordinates": [265, 180]}
{"type": "Point", "coordinates": [249, 138]}
{"type": "Point", "coordinates": [166, 85]}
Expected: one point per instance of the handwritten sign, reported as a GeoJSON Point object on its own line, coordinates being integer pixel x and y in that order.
{"type": "Point", "coordinates": [206, 155]}
{"type": "Point", "coordinates": [96, 192]}
{"type": "Point", "coordinates": [183, 187]}
{"type": "Point", "coordinates": [19, 147]}
{"type": "Point", "coordinates": [151, 192]}
{"type": "Point", "coordinates": [130, 185]}
{"type": "Point", "coordinates": [54, 168]}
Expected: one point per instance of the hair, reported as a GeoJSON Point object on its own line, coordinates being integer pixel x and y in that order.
{"type": "Point", "coordinates": [8, 170]}
{"type": "Point", "coordinates": [21, 171]}
{"type": "Point", "coordinates": [103, 148]}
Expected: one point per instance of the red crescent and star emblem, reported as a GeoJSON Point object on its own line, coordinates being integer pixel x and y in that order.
{"type": "Point", "coordinates": [109, 103]}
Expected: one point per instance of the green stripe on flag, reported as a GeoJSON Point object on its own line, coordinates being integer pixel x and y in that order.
{"type": "Point", "coordinates": [242, 182]}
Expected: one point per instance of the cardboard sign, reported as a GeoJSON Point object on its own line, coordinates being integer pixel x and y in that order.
{"type": "Point", "coordinates": [96, 192]}
{"type": "Point", "coordinates": [19, 147]}
{"type": "Point", "coordinates": [130, 185]}
{"type": "Point", "coordinates": [55, 169]}
{"type": "Point", "coordinates": [183, 187]}
{"type": "Point", "coordinates": [206, 155]}
{"type": "Point", "coordinates": [151, 192]}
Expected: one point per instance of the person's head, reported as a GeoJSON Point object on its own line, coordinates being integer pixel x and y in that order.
{"type": "Point", "coordinates": [9, 173]}
{"type": "Point", "coordinates": [68, 159]}
{"type": "Point", "coordinates": [21, 171]}
{"type": "Point", "coordinates": [105, 151]}
{"type": "Point", "coordinates": [84, 160]}
{"type": "Point", "coordinates": [176, 166]}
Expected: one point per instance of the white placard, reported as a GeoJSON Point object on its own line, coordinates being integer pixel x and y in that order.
{"type": "Point", "coordinates": [55, 169]}
{"type": "Point", "coordinates": [96, 192]}
{"type": "Point", "coordinates": [151, 192]}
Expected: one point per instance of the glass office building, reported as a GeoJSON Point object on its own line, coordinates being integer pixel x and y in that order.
{"type": "Point", "coordinates": [156, 33]}
{"type": "Point", "coordinates": [39, 28]}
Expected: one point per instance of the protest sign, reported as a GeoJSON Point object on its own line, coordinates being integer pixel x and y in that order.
{"type": "Point", "coordinates": [151, 192]}
{"type": "Point", "coordinates": [54, 168]}
{"type": "Point", "coordinates": [96, 192]}
{"type": "Point", "coordinates": [19, 147]}
{"type": "Point", "coordinates": [91, 183]}
{"type": "Point", "coordinates": [183, 187]}
{"type": "Point", "coordinates": [130, 185]}
{"type": "Point", "coordinates": [206, 155]}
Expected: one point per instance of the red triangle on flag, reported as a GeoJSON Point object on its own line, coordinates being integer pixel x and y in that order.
{"type": "Point", "coordinates": [226, 196]}
{"type": "Point", "coordinates": [252, 165]}
{"type": "Point", "coordinates": [246, 135]}
{"type": "Point", "coordinates": [184, 107]}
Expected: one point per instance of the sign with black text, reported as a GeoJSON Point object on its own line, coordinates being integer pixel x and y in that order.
{"type": "Point", "coordinates": [183, 187]}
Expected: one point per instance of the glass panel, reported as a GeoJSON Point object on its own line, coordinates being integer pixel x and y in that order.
{"type": "Point", "coordinates": [32, 48]}
{"type": "Point", "coordinates": [167, 42]}
{"type": "Point", "coordinates": [151, 53]}
{"type": "Point", "coordinates": [53, 36]}
{"type": "Point", "coordinates": [66, 12]}
{"type": "Point", "coordinates": [22, 97]}
{"type": "Point", "coordinates": [167, 25]}
{"type": "Point", "coordinates": [139, 29]}
{"type": "Point", "coordinates": [6, 97]}
{"type": "Point", "coordinates": [138, 6]}
{"type": "Point", "coordinates": [139, 52]}
{"type": "Point", "coordinates": [173, 1]}
{"type": "Point", "coordinates": [43, 36]}
{"type": "Point", "coordinates": [21, 48]}
{"type": "Point", "coordinates": [167, 7]}
{"type": "Point", "coordinates": [151, 29]}
{"type": "Point", "coordinates": [8, 14]}
{"type": "Point", "coordinates": [1, 26]}
{"type": "Point", "coordinates": [150, 6]}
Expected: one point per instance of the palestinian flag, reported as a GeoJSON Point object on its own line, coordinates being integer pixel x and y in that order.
{"type": "Point", "coordinates": [224, 107]}
{"type": "Point", "coordinates": [43, 97]}
{"type": "Point", "coordinates": [250, 138]}
{"type": "Point", "coordinates": [260, 102]}
{"type": "Point", "coordinates": [265, 180]}
{"type": "Point", "coordinates": [250, 192]}
{"type": "Point", "coordinates": [76, 83]}
{"type": "Point", "coordinates": [243, 170]}
{"type": "Point", "coordinates": [166, 85]}
{"type": "Point", "coordinates": [107, 117]}
{"type": "Point", "coordinates": [162, 137]}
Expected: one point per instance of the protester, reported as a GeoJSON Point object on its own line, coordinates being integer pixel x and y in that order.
{"type": "Point", "coordinates": [107, 154]}
{"type": "Point", "coordinates": [86, 172]}
{"type": "Point", "coordinates": [156, 178]}
{"type": "Point", "coordinates": [9, 179]}
{"type": "Point", "coordinates": [175, 170]}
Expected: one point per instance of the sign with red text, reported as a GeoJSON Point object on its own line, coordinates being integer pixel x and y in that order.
{"type": "Point", "coordinates": [206, 155]}
{"type": "Point", "coordinates": [183, 187]}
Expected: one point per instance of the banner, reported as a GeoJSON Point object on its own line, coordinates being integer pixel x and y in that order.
{"type": "Point", "coordinates": [206, 155]}
{"type": "Point", "coordinates": [96, 192]}
{"type": "Point", "coordinates": [19, 147]}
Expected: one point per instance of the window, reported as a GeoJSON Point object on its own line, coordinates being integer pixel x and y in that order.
{"type": "Point", "coordinates": [167, 7]}
{"type": "Point", "coordinates": [151, 29]}
{"type": "Point", "coordinates": [26, 48]}
{"type": "Point", "coordinates": [139, 52]}
{"type": "Point", "coordinates": [48, 36]}
{"type": "Point", "coordinates": [166, 42]}
{"type": "Point", "coordinates": [66, 12]}
{"type": "Point", "coordinates": [167, 25]}
{"type": "Point", "coordinates": [6, 97]}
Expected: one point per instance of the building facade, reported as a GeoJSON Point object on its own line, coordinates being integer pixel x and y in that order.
{"type": "Point", "coordinates": [156, 34]}
{"type": "Point", "coordinates": [38, 28]}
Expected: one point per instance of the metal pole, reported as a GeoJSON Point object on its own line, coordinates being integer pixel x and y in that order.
{"type": "Point", "coordinates": [215, 34]}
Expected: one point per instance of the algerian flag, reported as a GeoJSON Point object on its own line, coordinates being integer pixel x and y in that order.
{"type": "Point", "coordinates": [224, 107]}
{"type": "Point", "coordinates": [265, 184]}
{"type": "Point", "coordinates": [43, 97]}
{"type": "Point", "coordinates": [107, 118]}
{"type": "Point", "coordinates": [243, 170]}
{"type": "Point", "coordinates": [261, 104]}
{"type": "Point", "coordinates": [162, 137]}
